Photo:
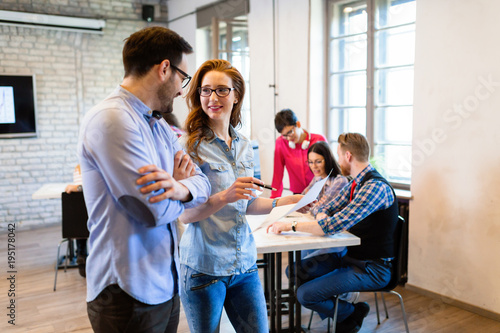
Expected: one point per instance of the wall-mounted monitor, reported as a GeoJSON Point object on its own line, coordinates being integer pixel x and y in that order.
{"type": "Point", "coordinates": [17, 106]}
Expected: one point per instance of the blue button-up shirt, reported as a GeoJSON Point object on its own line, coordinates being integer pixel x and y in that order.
{"type": "Point", "coordinates": [222, 244]}
{"type": "Point", "coordinates": [133, 243]}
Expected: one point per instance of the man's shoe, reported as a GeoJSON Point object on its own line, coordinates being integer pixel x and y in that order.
{"type": "Point", "coordinates": [347, 326]}
{"type": "Point", "coordinates": [353, 323]}
{"type": "Point", "coordinates": [81, 260]}
{"type": "Point", "coordinates": [360, 312]}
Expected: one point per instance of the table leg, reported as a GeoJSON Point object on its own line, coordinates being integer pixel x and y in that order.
{"type": "Point", "coordinates": [279, 292]}
{"type": "Point", "coordinates": [291, 291]}
{"type": "Point", "coordinates": [272, 292]}
{"type": "Point", "coordinates": [298, 309]}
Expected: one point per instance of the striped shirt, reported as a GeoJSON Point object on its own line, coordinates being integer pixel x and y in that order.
{"type": "Point", "coordinates": [342, 214]}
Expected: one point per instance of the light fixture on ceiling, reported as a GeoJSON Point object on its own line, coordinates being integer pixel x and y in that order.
{"type": "Point", "coordinates": [51, 22]}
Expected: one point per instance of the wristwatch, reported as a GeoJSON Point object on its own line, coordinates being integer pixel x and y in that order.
{"type": "Point", "coordinates": [79, 188]}
{"type": "Point", "coordinates": [275, 201]}
{"type": "Point", "coordinates": [294, 226]}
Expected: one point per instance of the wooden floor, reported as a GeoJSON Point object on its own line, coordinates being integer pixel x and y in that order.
{"type": "Point", "coordinates": [40, 310]}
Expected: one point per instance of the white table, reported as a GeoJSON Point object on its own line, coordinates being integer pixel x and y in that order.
{"type": "Point", "coordinates": [272, 246]}
{"type": "Point", "coordinates": [49, 191]}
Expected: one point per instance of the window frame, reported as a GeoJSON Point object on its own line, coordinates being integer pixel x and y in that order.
{"type": "Point", "coordinates": [371, 70]}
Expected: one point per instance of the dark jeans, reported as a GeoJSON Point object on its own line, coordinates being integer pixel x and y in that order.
{"type": "Point", "coordinates": [325, 276]}
{"type": "Point", "coordinates": [114, 311]}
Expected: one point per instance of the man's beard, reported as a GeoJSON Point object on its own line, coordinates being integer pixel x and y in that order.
{"type": "Point", "coordinates": [346, 170]}
{"type": "Point", "coordinates": [165, 96]}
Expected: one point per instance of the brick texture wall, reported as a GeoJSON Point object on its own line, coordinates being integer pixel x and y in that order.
{"type": "Point", "coordinates": [73, 71]}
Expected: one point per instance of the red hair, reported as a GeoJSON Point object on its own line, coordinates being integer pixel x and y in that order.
{"type": "Point", "coordinates": [197, 122]}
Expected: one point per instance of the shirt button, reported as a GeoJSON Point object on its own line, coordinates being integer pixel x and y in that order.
{"type": "Point", "coordinates": [234, 164]}
{"type": "Point", "coordinates": [239, 249]}
{"type": "Point", "coordinates": [227, 149]}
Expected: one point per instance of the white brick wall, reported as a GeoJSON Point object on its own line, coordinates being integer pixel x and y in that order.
{"type": "Point", "coordinates": [73, 72]}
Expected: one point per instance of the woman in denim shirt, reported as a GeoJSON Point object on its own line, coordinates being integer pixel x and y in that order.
{"type": "Point", "coordinates": [217, 251]}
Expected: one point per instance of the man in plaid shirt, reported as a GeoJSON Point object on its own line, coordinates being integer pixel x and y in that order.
{"type": "Point", "coordinates": [367, 207]}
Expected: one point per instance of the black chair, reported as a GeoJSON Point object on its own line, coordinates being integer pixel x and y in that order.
{"type": "Point", "coordinates": [74, 226]}
{"type": "Point", "coordinates": [398, 277]}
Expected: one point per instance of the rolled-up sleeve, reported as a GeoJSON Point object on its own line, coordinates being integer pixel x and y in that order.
{"type": "Point", "coordinates": [118, 143]}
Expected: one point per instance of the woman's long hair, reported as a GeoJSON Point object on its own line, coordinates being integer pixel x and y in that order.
{"type": "Point", "coordinates": [197, 121]}
{"type": "Point", "coordinates": [322, 148]}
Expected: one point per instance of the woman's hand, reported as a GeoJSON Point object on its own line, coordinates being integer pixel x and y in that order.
{"type": "Point", "coordinates": [72, 188]}
{"type": "Point", "coordinates": [291, 199]}
{"type": "Point", "coordinates": [321, 216]}
{"type": "Point", "coordinates": [307, 207]}
{"type": "Point", "coordinates": [241, 189]}
{"type": "Point", "coordinates": [288, 200]}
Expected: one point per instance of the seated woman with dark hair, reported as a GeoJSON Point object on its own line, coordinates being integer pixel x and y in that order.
{"type": "Point", "coordinates": [322, 163]}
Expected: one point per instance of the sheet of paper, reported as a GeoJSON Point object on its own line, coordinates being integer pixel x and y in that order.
{"type": "Point", "coordinates": [310, 196]}
{"type": "Point", "coordinates": [281, 211]}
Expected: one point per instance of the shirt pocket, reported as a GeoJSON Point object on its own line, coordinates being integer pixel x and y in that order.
{"type": "Point", "coordinates": [246, 169]}
{"type": "Point", "coordinates": [220, 176]}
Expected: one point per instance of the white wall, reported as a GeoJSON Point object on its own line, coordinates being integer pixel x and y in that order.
{"type": "Point", "coordinates": [455, 214]}
{"type": "Point", "coordinates": [292, 20]}
{"type": "Point", "coordinates": [74, 71]}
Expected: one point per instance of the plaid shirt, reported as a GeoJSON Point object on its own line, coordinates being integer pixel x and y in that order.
{"type": "Point", "coordinates": [342, 214]}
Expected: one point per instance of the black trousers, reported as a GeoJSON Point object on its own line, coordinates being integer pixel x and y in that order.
{"type": "Point", "coordinates": [114, 311]}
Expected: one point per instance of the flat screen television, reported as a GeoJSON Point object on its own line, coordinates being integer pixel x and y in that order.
{"type": "Point", "coordinates": [17, 106]}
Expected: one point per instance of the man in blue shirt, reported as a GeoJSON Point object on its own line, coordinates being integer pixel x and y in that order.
{"type": "Point", "coordinates": [367, 207]}
{"type": "Point", "coordinates": [132, 267]}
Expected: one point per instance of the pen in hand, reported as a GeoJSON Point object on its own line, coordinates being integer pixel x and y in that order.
{"type": "Point", "coordinates": [269, 187]}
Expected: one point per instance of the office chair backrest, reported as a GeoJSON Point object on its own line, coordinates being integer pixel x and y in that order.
{"type": "Point", "coordinates": [74, 216]}
{"type": "Point", "coordinates": [256, 159]}
{"type": "Point", "coordinates": [397, 268]}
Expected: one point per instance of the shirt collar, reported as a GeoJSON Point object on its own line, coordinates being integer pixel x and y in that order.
{"type": "Point", "coordinates": [135, 102]}
{"type": "Point", "coordinates": [362, 174]}
{"type": "Point", "coordinates": [232, 132]}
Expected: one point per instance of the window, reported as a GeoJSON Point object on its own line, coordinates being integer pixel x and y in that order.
{"type": "Point", "coordinates": [223, 34]}
{"type": "Point", "coordinates": [233, 47]}
{"type": "Point", "coordinates": [371, 55]}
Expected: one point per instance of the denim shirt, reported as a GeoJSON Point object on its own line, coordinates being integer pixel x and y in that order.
{"type": "Point", "coordinates": [222, 244]}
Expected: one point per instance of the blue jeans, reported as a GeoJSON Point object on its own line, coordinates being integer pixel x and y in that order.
{"type": "Point", "coordinates": [325, 276]}
{"type": "Point", "coordinates": [203, 297]}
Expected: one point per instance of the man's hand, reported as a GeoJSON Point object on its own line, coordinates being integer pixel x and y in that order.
{"type": "Point", "coordinates": [279, 227]}
{"type": "Point", "coordinates": [162, 180]}
{"type": "Point", "coordinates": [183, 166]}
{"type": "Point", "coordinates": [321, 216]}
